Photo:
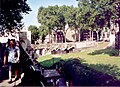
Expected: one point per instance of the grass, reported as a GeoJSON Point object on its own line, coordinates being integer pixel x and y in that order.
{"type": "Point", "coordinates": [100, 58]}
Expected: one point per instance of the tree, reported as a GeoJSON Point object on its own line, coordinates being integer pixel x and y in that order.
{"type": "Point", "coordinates": [65, 12]}
{"type": "Point", "coordinates": [43, 31]}
{"type": "Point", "coordinates": [85, 21]}
{"type": "Point", "coordinates": [51, 18]}
{"type": "Point", "coordinates": [102, 14]}
{"type": "Point", "coordinates": [48, 17]}
{"type": "Point", "coordinates": [71, 19]}
{"type": "Point", "coordinates": [80, 20]}
{"type": "Point", "coordinates": [68, 18]}
{"type": "Point", "coordinates": [34, 32]}
{"type": "Point", "coordinates": [11, 13]}
{"type": "Point", "coordinates": [97, 14]}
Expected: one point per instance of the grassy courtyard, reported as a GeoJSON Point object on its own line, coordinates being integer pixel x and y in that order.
{"type": "Point", "coordinates": [99, 57]}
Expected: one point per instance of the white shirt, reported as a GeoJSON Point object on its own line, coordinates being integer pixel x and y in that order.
{"type": "Point", "coordinates": [12, 58]}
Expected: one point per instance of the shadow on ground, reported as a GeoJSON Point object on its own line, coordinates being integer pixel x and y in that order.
{"type": "Point", "coordinates": [109, 51]}
{"type": "Point", "coordinates": [77, 71]}
{"type": "Point", "coordinates": [51, 63]}
{"type": "Point", "coordinates": [82, 74]}
{"type": "Point", "coordinates": [107, 69]}
{"type": "Point", "coordinates": [3, 74]}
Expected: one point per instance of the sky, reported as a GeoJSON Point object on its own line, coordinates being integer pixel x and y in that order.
{"type": "Point", "coordinates": [31, 18]}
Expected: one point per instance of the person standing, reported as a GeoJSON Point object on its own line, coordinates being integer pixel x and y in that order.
{"type": "Point", "coordinates": [12, 54]}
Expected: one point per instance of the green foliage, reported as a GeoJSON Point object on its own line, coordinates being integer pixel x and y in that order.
{"type": "Point", "coordinates": [90, 14]}
{"type": "Point", "coordinates": [54, 17]}
{"type": "Point", "coordinates": [34, 32]}
{"type": "Point", "coordinates": [11, 13]}
{"type": "Point", "coordinates": [96, 13]}
{"type": "Point", "coordinates": [43, 31]}
{"type": "Point", "coordinates": [48, 16]}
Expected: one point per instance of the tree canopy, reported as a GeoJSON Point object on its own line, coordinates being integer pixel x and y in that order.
{"type": "Point", "coordinates": [89, 14]}
{"type": "Point", "coordinates": [56, 17]}
{"type": "Point", "coordinates": [34, 32]}
{"type": "Point", "coordinates": [11, 13]}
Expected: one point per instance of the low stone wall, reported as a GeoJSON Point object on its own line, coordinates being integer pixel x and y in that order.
{"type": "Point", "coordinates": [47, 48]}
{"type": "Point", "coordinates": [85, 44]}
{"type": "Point", "coordinates": [64, 45]}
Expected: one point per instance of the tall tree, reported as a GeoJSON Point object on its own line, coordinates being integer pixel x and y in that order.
{"type": "Point", "coordinates": [34, 32]}
{"type": "Point", "coordinates": [11, 13]}
{"type": "Point", "coordinates": [48, 17]}
{"type": "Point", "coordinates": [97, 14]}
{"type": "Point", "coordinates": [43, 31]}
{"type": "Point", "coordinates": [51, 17]}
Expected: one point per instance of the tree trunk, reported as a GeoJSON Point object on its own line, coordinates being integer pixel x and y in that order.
{"type": "Point", "coordinates": [55, 38]}
{"type": "Point", "coordinates": [75, 36]}
{"type": "Point", "coordinates": [92, 35]}
{"type": "Point", "coordinates": [79, 37]}
{"type": "Point", "coordinates": [65, 36]}
{"type": "Point", "coordinates": [119, 36]}
{"type": "Point", "coordinates": [97, 36]}
{"type": "Point", "coordinates": [64, 33]}
{"type": "Point", "coordinates": [62, 38]}
{"type": "Point", "coordinates": [117, 42]}
{"type": "Point", "coordinates": [49, 38]}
